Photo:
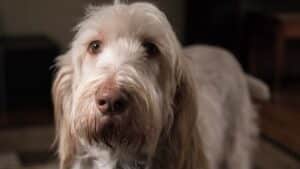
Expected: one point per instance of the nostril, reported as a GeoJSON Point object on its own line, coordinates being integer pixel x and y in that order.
{"type": "Point", "coordinates": [103, 105]}
{"type": "Point", "coordinates": [119, 105]}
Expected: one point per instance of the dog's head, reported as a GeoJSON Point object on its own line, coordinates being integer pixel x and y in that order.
{"type": "Point", "coordinates": [124, 81]}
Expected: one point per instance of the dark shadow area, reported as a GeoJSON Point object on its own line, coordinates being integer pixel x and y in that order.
{"type": "Point", "coordinates": [26, 79]}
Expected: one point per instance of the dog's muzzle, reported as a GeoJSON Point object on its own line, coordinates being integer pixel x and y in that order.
{"type": "Point", "coordinates": [115, 122]}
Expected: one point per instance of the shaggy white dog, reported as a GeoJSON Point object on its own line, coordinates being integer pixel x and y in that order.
{"type": "Point", "coordinates": [127, 96]}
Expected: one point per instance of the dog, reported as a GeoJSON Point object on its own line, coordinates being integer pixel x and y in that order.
{"type": "Point", "coordinates": [127, 95]}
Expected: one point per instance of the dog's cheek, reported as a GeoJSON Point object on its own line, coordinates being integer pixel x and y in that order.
{"type": "Point", "coordinates": [156, 126]}
{"type": "Point", "coordinates": [167, 89]}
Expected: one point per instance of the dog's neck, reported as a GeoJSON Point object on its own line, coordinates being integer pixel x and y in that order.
{"type": "Point", "coordinates": [172, 155]}
{"type": "Point", "coordinates": [96, 157]}
{"type": "Point", "coordinates": [169, 155]}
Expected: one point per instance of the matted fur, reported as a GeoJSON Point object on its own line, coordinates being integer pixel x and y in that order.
{"type": "Point", "coordinates": [188, 109]}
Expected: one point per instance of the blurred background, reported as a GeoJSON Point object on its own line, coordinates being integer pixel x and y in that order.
{"type": "Point", "coordinates": [264, 35]}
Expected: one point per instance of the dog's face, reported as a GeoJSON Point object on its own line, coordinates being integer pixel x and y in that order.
{"type": "Point", "coordinates": [124, 89]}
{"type": "Point", "coordinates": [124, 60]}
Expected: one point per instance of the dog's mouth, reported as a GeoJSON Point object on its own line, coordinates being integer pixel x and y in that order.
{"type": "Point", "coordinates": [110, 128]}
{"type": "Point", "coordinates": [115, 131]}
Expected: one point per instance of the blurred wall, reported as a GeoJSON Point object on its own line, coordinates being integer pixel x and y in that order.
{"type": "Point", "coordinates": [56, 18]}
{"type": "Point", "coordinates": [270, 6]}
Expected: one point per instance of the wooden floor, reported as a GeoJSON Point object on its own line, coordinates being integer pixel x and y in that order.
{"type": "Point", "coordinates": [270, 156]}
{"type": "Point", "coordinates": [21, 151]}
{"type": "Point", "coordinates": [280, 119]}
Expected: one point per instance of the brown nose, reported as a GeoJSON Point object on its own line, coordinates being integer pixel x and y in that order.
{"type": "Point", "coordinates": [112, 101]}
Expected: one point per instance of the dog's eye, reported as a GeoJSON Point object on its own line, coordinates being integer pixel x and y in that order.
{"type": "Point", "coordinates": [94, 47]}
{"type": "Point", "coordinates": [150, 48]}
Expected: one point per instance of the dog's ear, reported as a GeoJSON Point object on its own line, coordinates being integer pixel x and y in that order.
{"type": "Point", "coordinates": [62, 100]}
{"type": "Point", "coordinates": [185, 128]}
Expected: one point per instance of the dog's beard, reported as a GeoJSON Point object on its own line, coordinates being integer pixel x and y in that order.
{"type": "Point", "coordinates": [129, 131]}
{"type": "Point", "coordinates": [134, 164]}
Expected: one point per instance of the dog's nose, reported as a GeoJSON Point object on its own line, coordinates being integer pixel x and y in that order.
{"type": "Point", "coordinates": [112, 101]}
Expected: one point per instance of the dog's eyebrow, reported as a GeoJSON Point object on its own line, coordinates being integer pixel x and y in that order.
{"type": "Point", "coordinates": [97, 36]}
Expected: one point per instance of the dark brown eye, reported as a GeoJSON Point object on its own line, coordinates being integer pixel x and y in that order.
{"type": "Point", "coordinates": [94, 47]}
{"type": "Point", "coordinates": [150, 48]}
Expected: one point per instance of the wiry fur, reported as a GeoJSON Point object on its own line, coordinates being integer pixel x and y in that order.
{"type": "Point", "coordinates": [186, 112]}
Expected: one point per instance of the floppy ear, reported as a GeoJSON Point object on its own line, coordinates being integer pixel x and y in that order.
{"type": "Point", "coordinates": [185, 130]}
{"type": "Point", "coordinates": [62, 100]}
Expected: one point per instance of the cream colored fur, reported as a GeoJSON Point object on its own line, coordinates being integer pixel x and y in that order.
{"type": "Point", "coordinates": [191, 108]}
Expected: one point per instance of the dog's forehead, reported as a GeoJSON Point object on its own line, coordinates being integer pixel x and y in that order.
{"type": "Point", "coordinates": [139, 20]}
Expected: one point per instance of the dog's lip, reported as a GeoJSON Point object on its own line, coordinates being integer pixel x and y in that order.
{"type": "Point", "coordinates": [105, 117]}
{"type": "Point", "coordinates": [107, 121]}
{"type": "Point", "coordinates": [103, 121]}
